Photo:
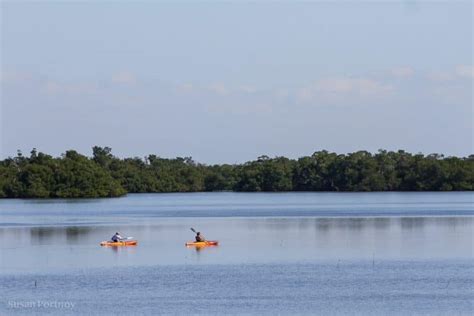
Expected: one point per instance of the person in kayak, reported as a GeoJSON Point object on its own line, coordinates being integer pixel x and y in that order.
{"type": "Point", "coordinates": [117, 237]}
{"type": "Point", "coordinates": [199, 237]}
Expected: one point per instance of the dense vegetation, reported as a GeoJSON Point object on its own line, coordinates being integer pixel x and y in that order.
{"type": "Point", "coordinates": [73, 175]}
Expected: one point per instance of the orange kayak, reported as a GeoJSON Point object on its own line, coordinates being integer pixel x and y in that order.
{"type": "Point", "coordinates": [202, 243]}
{"type": "Point", "coordinates": [119, 243]}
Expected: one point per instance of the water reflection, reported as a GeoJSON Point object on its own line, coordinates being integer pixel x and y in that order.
{"type": "Point", "coordinates": [143, 208]}
{"type": "Point", "coordinates": [381, 222]}
{"type": "Point", "coordinates": [201, 248]}
{"type": "Point", "coordinates": [121, 249]}
{"type": "Point", "coordinates": [74, 233]}
{"type": "Point", "coordinates": [236, 228]}
{"type": "Point", "coordinates": [241, 240]}
{"type": "Point", "coordinates": [412, 223]}
{"type": "Point", "coordinates": [327, 223]}
{"type": "Point", "coordinates": [43, 235]}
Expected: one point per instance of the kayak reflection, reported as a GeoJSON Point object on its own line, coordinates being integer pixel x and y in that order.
{"type": "Point", "coordinates": [201, 248]}
{"type": "Point", "coordinates": [122, 249]}
{"type": "Point", "coordinates": [202, 244]}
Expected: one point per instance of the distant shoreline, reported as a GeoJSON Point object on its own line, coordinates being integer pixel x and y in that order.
{"type": "Point", "coordinates": [77, 176]}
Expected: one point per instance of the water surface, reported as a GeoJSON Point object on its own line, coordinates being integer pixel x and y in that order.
{"type": "Point", "coordinates": [332, 253]}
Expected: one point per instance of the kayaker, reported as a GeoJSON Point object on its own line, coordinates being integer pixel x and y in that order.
{"type": "Point", "coordinates": [199, 237]}
{"type": "Point", "coordinates": [117, 237]}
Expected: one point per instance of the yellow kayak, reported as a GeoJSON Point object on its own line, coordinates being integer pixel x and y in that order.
{"type": "Point", "coordinates": [202, 243]}
{"type": "Point", "coordinates": [119, 243]}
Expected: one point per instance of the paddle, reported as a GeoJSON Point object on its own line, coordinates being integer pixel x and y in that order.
{"type": "Point", "coordinates": [127, 238]}
{"type": "Point", "coordinates": [194, 231]}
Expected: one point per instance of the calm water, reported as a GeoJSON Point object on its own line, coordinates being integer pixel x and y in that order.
{"type": "Point", "coordinates": [327, 253]}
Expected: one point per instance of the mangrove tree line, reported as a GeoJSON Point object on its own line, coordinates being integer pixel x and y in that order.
{"type": "Point", "coordinates": [103, 175]}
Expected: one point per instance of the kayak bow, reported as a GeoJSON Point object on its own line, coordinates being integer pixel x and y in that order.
{"type": "Point", "coordinates": [202, 243]}
{"type": "Point", "coordinates": [119, 243]}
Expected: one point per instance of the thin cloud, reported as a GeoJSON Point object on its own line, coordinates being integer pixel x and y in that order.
{"type": "Point", "coordinates": [124, 78]}
{"type": "Point", "coordinates": [440, 76]}
{"type": "Point", "coordinates": [402, 72]}
{"type": "Point", "coordinates": [14, 77]}
{"type": "Point", "coordinates": [185, 87]}
{"type": "Point", "coordinates": [465, 71]}
{"type": "Point", "coordinates": [348, 87]}
{"type": "Point", "coordinates": [219, 89]}
{"type": "Point", "coordinates": [282, 93]}
{"type": "Point", "coordinates": [54, 88]}
{"type": "Point", "coordinates": [247, 89]}
{"type": "Point", "coordinates": [460, 71]}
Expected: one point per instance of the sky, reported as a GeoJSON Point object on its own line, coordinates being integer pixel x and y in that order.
{"type": "Point", "coordinates": [226, 82]}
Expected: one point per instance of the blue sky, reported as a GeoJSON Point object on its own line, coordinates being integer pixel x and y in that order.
{"type": "Point", "coordinates": [227, 82]}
